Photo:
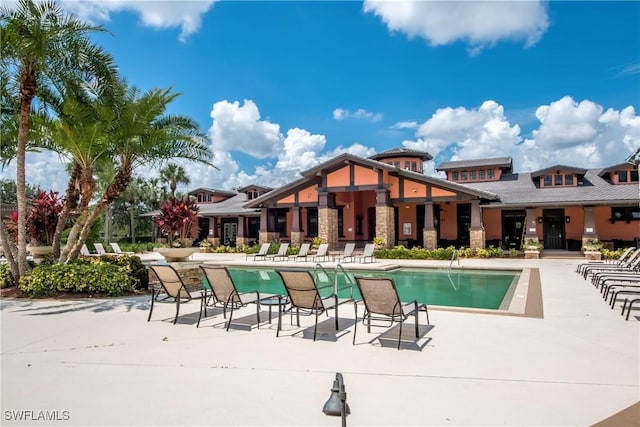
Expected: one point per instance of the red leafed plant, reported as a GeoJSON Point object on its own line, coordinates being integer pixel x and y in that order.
{"type": "Point", "coordinates": [42, 218]}
{"type": "Point", "coordinates": [176, 218]}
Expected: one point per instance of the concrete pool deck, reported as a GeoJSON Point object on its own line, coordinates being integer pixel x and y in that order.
{"type": "Point", "coordinates": [98, 362]}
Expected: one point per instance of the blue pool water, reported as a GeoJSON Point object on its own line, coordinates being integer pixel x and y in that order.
{"type": "Point", "coordinates": [462, 288]}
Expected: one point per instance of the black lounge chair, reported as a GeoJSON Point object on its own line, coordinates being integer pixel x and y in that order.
{"type": "Point", "coordinates": [172, 289]}
{"type": "Point", "coordinates": [631, 303]}
{"type": "Point", "coordinates": [304, 294]}
{"type": "Point", "coordinates": [225, 294]}
{"type": "Point", "coordinates": [382, 302]}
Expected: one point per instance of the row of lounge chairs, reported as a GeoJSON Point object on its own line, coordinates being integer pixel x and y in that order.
{"type": "Point", "coordinates": [100, 250]}
{"type": "Point", "coordinates": [303, 294]}
{"type": "Point", "coordinates": [322, 254]}
{"type": "Point", "coordinates": [617, 280]}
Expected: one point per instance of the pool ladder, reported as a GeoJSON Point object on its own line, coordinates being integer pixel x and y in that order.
{"type": "Point", "coordinates": [338, 268]}
{"type": "Point", "coordinates": [454, 256]}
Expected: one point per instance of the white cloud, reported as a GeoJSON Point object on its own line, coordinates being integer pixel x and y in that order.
{"type": "Point", "coordinates": [478, 23]}
{"type": "Point", "coordinates": [239, 128]}
{"type": "Point", "coordinates": [341, 114]}
{"type": "Point", "coordinates": [45, 169]}
{"type": "Point", "coordinates": [158, 14]}
{"type": "Point", "coordinates": [405, 125]}
{"type": "Point", "coordinates": [576, 134]}
{"type": "Point", "coordinates": [583, 134]}
{"type": "Point", "coordinates": [475, 133]}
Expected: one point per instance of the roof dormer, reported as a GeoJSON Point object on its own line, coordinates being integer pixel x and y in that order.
{"type": "Point", "coordinates": [403, 158]}
{"type": "Point", "coordinates": [558, 176]}
{"type": "Point", "coordinates": [622, 173]}
{"type": "Point", "coordinates": [254, 191]}
{"type": "Point", "coordinates": [210, 195]}
{"type": "Point", "coordinates": [480, 170]}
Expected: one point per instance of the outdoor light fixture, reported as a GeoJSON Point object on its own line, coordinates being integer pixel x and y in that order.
{"type": "Point", "coordinates": [540, 220]}
{"type": "Point", "coordinates": [337, 404]}
{"type": "Point", "coordinates": [567, 219]}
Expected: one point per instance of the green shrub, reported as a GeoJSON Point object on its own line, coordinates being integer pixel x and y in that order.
{"type": "Point", "coordinates": [140, 247]}
{"type": "Point", "coordinates": [609, 254]}
{"type": "Point", "coordinates": [6, 279]}
{"type": "Point", "coordinates": [97, 277]}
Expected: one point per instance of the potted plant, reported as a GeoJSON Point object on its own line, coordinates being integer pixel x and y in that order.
{"type": "Point", "coordinates": [206, 246]}
{"type": "Point", "coordinates": [378, 242]}
{"type": "Point", "coordinates": [176, 220]}
{"type": "Point", "coordinates": [42, 219]}
{"type": "Point", "coordinates": [532, 248]}
{"type": "Point", "coordinates": [592, 249]}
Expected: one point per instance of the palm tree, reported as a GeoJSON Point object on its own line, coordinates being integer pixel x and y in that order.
{"type": "Point", "coordinates": [132, 195]}
{"type": "Point", "coordinates": [173, 175]}
{"type": "Point", "coordinates": [140, 132]}
{"type": "Point", "coordinates": [41, 47]}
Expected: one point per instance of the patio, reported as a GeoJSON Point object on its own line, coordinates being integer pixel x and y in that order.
{"type": "Point", "coordinates": [99, 360]}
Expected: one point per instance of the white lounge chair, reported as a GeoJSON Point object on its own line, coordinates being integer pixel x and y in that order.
{"type": "Point", "coordinates": [261, 254]}
{"type": "Point", "coordinates": [347, 254]}
{"type": "Point", "coordinates": [100, 249]}
{"type": "Point", "coordinates": [322, 253]}
{"type": "Point", "coordinates": [303, 253]}
{"type": "Point", "coordinates": [368, 251]}
{"type": "Point", "coordinates": [117, 250]}
{"type": "Point", "coordinates": [282, 252]}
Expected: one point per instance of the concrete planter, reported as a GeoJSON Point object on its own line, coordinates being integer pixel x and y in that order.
{"type": "Point", "coordinates": [177, 254]}
{"type": "Point", "coordinates": [40, 251]}
{"type": "Point", "coordinates": [531, 253]}
{"type": "Point", "coordinates": [593, 255]}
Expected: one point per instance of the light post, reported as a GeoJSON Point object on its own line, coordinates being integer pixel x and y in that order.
{"type": "Point", "coordinates": [337, 404]}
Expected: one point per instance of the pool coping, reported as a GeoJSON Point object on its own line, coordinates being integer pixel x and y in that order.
{"type": "Point", "coordinates": [526, 300]}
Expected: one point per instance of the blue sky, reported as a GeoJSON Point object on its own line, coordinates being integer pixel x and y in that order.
{"type": "Point", "coordinates": [281, 86]}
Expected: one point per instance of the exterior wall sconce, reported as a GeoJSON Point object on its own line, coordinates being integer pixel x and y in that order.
{"type": "Point", "coordinates": [567, 219]}
{"type": "Point", "coordinates": [436, 221]}
{"type": "Point", "coordinates": [539, 220]}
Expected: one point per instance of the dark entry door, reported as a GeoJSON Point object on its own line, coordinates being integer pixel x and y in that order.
{"type": "Point", "coordinates": [419, 226]}
{"type": "Point", "coordinates": [464, 224]}
{"type": "Point", "coordinates": [553, 228]}
{"type": "Point", "coordinates": [229, 231]}
{"type": "Point", "coordinates": [512, 228]}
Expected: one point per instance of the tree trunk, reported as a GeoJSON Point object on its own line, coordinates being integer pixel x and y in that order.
{"type": "Point", "coordinates": [28, 87]}
{"type": "Point", "coordinates": [10, 252]}
{"type": "Point", "coordinates": [132, 230]}
{"type": "Point", "coordinates": [74, 244]}
{"type": "Point", "coordinates": [70, 203]}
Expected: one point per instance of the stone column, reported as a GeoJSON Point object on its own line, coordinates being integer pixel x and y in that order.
{"type": "Point", "coordinates": [476, 232]}
{"type": "Point", "coordinates": [385, 217]}
{"type": "Point", "coordinates": [241, 238]}
{"type": "Point", "coordinates": [328, 219]}
{"type": "Point", "coordinates": [531, 225]}
{"type": "Point", "coordinates": [213, 236]}
{"type": "Point", "coordinates": [297, 235]}
{"type": "Point", "coordinates": [429, 232]}
{"type": "Point", "coordinates": [589, 231]}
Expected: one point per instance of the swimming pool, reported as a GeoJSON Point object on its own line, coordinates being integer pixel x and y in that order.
{"type": "Point", "coordinates": [484, 289]}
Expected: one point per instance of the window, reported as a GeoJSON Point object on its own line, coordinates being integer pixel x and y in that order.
{"type": "Point", "coordinates": [547, 180]}
{"type": "Point", "coordinates": [634, 176]}
{"type": "Point", "coordinates": [281, 222]}
{"type": "Point", "coordinates": [312, 222]}
{"type": "Point", "coordinates": [340, 222]}
{"type": "Point", "coordinates": [454, 176]}
{"type": "Point", "coordinates": [414, 166]}
{"type": "Point", "coordinates": [396, 164]}
{"type": "Point", "coordinates": [481, 174]}
{"type": "Point", "coordinates": [568, 179]}
{"type": "Point", "coordinates": [472, 175]}
{"type": "Point", "coordinates": [463, 176]}
{"type": "Point", "coordinates": [625, 213]}
{"type": "Point", "coordinates": [622, 176]}
{"type": "Point", "coordinates": [557, 180]}
{"type": "Point", "coordinates": [406, 164]}
{"type": "Point", "coordinates": [491, 174]}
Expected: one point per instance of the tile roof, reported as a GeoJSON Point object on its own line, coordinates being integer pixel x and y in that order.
{"type": "Point", "coordinates": [520, 190]}
{"type": "Point", "coordinates": [402, 152]}
{"type": "Point", "coordinates": [564, 168]}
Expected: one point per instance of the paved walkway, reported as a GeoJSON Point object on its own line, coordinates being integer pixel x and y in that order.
{"type": "Point", "coordinates": [98, 362]}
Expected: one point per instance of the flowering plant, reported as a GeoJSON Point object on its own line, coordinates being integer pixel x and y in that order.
{"type": "Point", "coordinates": [176, 219]}
{"type": "Point", "coordinates": [42, 219]}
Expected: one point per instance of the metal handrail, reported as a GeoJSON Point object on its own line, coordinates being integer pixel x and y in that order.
{"type": "Point", "coordinates": [453, 256]}
{"type": "Point", "coordinates": [335, 280]}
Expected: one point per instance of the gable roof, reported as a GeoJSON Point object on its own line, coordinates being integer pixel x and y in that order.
{"type": "Point", "coordinates": [257, 186]}
{"type": "Point", "coordinates": [312, 177]}
{"type": "Point", "coordinates": [572, 169]}
{"type": "Point", "coordinates": [402, 152]}
{"type": "Point", "coordinates": [213, 191]}
{"type": "Point", "coordinates": [619, 166]}
{"type": "Point", "coordinates": [500, 162]}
